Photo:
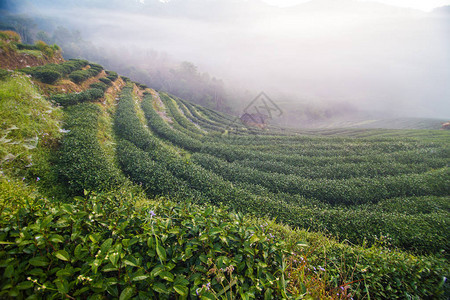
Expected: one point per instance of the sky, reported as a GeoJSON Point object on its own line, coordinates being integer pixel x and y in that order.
{"type": "Point", "coordinates": [425, 5]}
{"type": "Point", "coordinates": [370, 57]}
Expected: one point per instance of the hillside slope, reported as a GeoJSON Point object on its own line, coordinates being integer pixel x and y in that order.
{"type": "Point", "coordinates": [112, 190]}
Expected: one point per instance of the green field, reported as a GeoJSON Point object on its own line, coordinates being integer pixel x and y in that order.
{"type": "Point", "coordinates": [155, 197]}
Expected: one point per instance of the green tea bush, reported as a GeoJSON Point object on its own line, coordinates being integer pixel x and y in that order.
{"type": "Point", "coordinates": [187, 126]}
{"type": "Point", "coordinates": [78, 76]}
{"type": "Point", "coordinates": [349, 191]}
{"type": "Point", "coordinates": [47, 76]}
{"type": "Point", "coordinates": [4, 74]}
{"type": "Point", "coordinates": [111, 75]}
{"type": "Point", "coordinates": [102, 246]}
{"type": "Point", "coordinates": [49, 73]}
{"type": "Point", "coordinates": [99, 85]}
{"type": "Point", "coordinates": [82, 164]}
{"type": "Point", "coordinates": [106, 81]}
{"type": "Point", "coordinates": [152, 176]}
{"type": "Point", "coordinates": [81, 75]}
{"type": "Point", "coordinates": [164, 131]}
{"type": "Point", "coordinates": [128, 126]}
{"type": "Point", "coordinates": [88, 95]}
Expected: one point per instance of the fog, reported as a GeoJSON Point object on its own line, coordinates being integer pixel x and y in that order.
{"type": "Point", "coordinates": [370, 57]}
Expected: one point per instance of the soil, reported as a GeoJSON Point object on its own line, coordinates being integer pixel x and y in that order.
{"type": "Point", "coordinates": [12, 60]}
{"type": "Point", "coordinates": [114, 91]}
{"type": "Point", "coordinates": [138, 91]}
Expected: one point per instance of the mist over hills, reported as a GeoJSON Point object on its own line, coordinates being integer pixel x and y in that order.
{"type": "Point", "coordinates": [371, 57]}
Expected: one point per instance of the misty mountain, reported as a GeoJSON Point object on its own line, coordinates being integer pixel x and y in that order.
{"type": "Point", "coordinates": [443, 10]}
{"type": "Point", "coordinates": [370, 56]}
{"type": "Point", "coordinates": [353, 7]}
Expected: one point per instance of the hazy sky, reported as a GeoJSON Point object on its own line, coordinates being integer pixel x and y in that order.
{"type": "Point", "coordinates": [425, 5]}
{"type": "Point", "coordinates": [372, 57]}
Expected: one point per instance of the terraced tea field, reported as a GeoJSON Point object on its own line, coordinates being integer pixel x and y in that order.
{"type": "Point", "coordinates": [359, 185]}
{"type": "Point", "coordinates": [114, 190]}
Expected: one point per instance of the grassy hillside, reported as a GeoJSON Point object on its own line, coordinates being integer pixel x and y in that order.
{"type": "Point", "coordinates": [114, 190]}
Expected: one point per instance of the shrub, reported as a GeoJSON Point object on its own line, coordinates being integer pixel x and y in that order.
{"type": "Point", "coordinates": [96, 67]}
{"type": "Point", "coordinates": [105, 247]}
{"type": "Point", "coordinates": [98, 85]}
{"type": "Point", "coordinates": [82, 164]}
{"type": "Point", "coordinates": [78, 76]}
{"type": "Point", "coordinates": [112, 75]}
{"type": "Point", "coordinates": [9, 35]}
{"type": "Point", "coordinates": [41, 46]}
{"type": "Point", "coordinates": [4, 74]}
{"type": "Point", "coordinates": [75, 98]}
{"type": "Point", "coordinates": [81, 75]}
{"type": "Point", "coordinates": [47, 76]}
{"type": "Point", "coordinates": [106, 80]}
{"type": "Point", "coordinates": [49, 73]}
{"type": "Point", "coordinates": [21, 46]}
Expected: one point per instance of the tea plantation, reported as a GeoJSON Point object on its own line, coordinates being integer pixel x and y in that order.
{"type": "Point", "coordinates": [116, 191]}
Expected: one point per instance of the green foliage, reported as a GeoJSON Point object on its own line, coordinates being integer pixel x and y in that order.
{"type": "Point", "coordinates": [350, 192]}
{"type": "Point", "coordinates": [21, 46]}
{"type": "Point", "coordinates": [88, 95]}
{"type": "Point", "coordinates": [359, 272]}
{"type": "Point", "coordinates": [52, 72]}
{"type": "Point", "coordinates": [183, 123]}
{"type": "Point", "coordinates": [47, 50]}
{"type": "Point", "coordinates": [99, 85]}
{"type": "Point", "coordinates": [128, 126]}
{"type": "Point", "coordinates": [112, 75]}
{"type": "Point", "coordinates": [4, 74]}
{"type": "Point", "coordinates": [293, 199]}
{"type": "Point", "coordinates": [81, 162]}
{"type": "Point", "coordinates": [103, 245]}
{"type": "Point", "coordinates": [154, 177]}
{"type": "Point", "coordinates": [106, 81]}
{"type": "Point", "coordinates": [389, 193]}
{"type": "Point", "coordinates": [28, 122]}
{"type": "Point", "coordinates": [110, 245]}
{"type": "Point", "coordinates": [164, 131]}
{"type": "Point", "coordinates": [81, 75]}
{"type": "Point", "coordinates": [47, 76]}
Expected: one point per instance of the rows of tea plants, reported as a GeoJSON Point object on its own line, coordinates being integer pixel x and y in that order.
{"type": "Point", "coordinates": [244, 197]}
{"type": "Point", "coordinates": [210, 124]}
{"type": "Point", "coordinates": [82, 164]}
{"type": "Point", "coordinates": [185, 125]}
{"type": "Point", "coordinates": [81, 75]}
{"type": "Point", "coordinates": [424, 157]}
{"type": "Point", "coordinates": [109, 245]}
{"type": "Point", "coordinates": [206, 125]}
{"type": "Point", "coordinates": [51, 72]}
{"type": "Point", "coordinates": [94, 93]}
{"type": "Point", "coordinates": [299, 151]}
{"type": "Point", "coordinates": [367, 175]}
{"type": "Point", "coordinates": [345, 191]}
